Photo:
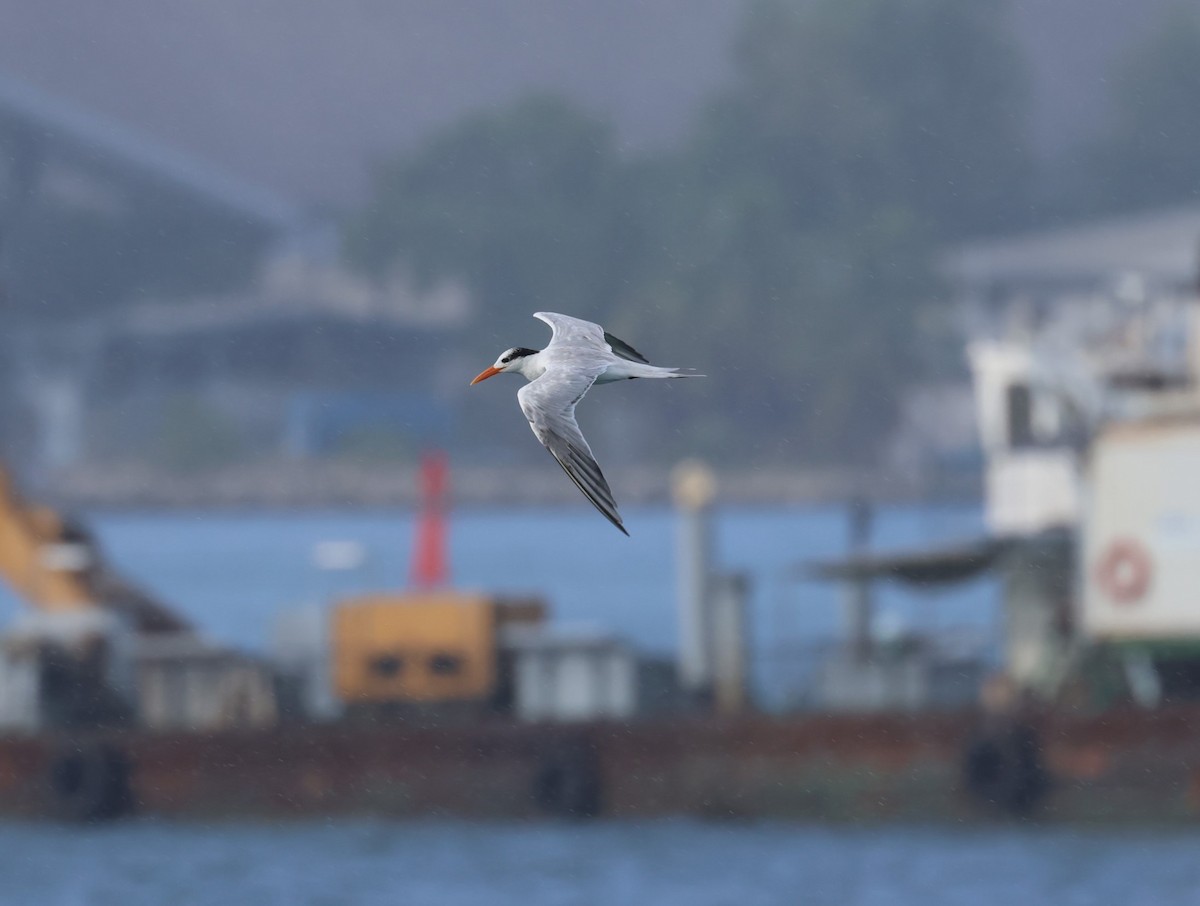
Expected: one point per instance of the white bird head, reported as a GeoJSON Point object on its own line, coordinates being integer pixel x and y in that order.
{"type": "Point", "coordinates": [511, 360]}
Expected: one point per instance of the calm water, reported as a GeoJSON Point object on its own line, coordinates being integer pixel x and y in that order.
{"type": "Point", "coordinates": [234, 574]}
{"type": "Point", "coordinates": [664, 864]}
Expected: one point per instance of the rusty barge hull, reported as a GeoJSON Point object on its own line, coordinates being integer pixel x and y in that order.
{"type": "Point", "coordinates": [1119, 766]}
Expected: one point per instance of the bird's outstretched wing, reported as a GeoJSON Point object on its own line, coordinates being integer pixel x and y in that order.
{"type": "Point", "coordinates": [549, 404]}
{"type": "Point", "coordinates": [572, 331]}
{"type": "Point", "coordinates": [576, 332]}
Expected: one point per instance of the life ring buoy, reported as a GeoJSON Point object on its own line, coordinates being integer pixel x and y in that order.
{"type": "Point", "coordinates": [1124, 571]}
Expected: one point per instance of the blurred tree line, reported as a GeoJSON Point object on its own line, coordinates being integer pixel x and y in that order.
{"type": "Point", "coordinates": [1148, 153]}
{"type": "Point", "coordinates": [787, 246]}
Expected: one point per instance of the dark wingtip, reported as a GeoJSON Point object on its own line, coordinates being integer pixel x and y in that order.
{"type": "Point", "coordinates": [591, 495]}
{"type": "Point", "coordinates": [614, 517]}
{"type": "Point", "coordinates": [623, 350]}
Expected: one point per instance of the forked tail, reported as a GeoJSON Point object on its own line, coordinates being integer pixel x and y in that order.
{"type": "Point", "coordinates": [655, 371]}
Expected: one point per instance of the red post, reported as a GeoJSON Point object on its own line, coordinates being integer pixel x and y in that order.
{"type": "Point", "coordinates": [429, 569]}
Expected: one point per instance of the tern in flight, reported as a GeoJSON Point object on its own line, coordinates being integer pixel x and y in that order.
{"type": "Point", "coordinates": [580, 354]}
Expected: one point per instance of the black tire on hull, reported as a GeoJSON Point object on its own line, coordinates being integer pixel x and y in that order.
{"type": "Point", "coordinates": [90, 782]}
{"type": "Point", "coordinates": [1002, 769]}
{"type": "Point", "coordinates": [568, 783]}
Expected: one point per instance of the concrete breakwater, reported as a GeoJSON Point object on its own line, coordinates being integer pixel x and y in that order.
{"type": "Point", "coordinates": [335, 484]}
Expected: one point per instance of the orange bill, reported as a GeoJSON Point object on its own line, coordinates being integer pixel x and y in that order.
{"type": "Point", "coordinates": [485, 374]}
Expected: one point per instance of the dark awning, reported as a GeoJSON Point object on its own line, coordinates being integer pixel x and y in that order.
{"type": "Point", "coordinates": [935, 566]}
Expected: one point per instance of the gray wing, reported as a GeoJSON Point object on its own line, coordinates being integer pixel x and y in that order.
{"type": "Point", "coordinates": [574, 332]}
{"type": "Point", "coordinates": [549, 404]}
{"type": "Point", "coordinates": [579, 335]}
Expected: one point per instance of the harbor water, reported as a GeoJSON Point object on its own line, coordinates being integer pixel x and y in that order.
{"type": "Point", "coordinates": [667, 864]}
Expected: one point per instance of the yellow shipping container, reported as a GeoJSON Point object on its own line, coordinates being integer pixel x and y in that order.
{"type": "Point", "coordinates": [418, 648]}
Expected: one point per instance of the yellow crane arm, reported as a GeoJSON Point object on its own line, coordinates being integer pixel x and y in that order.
{"type": "Point", "coordinates": [58, 567]}
{"type": "Point", "coordinates": [30, 538]}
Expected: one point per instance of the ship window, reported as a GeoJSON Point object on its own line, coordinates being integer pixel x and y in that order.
{"type": "Point", "coordinates": [444, 664]}
{"type": "Point", "coordinates": [1020, 416]}
{"type": "Point", "coordinates": [386, 666]}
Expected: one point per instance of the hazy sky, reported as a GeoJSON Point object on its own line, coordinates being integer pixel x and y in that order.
{"type": "Point", "coordinates": [300, 95]}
